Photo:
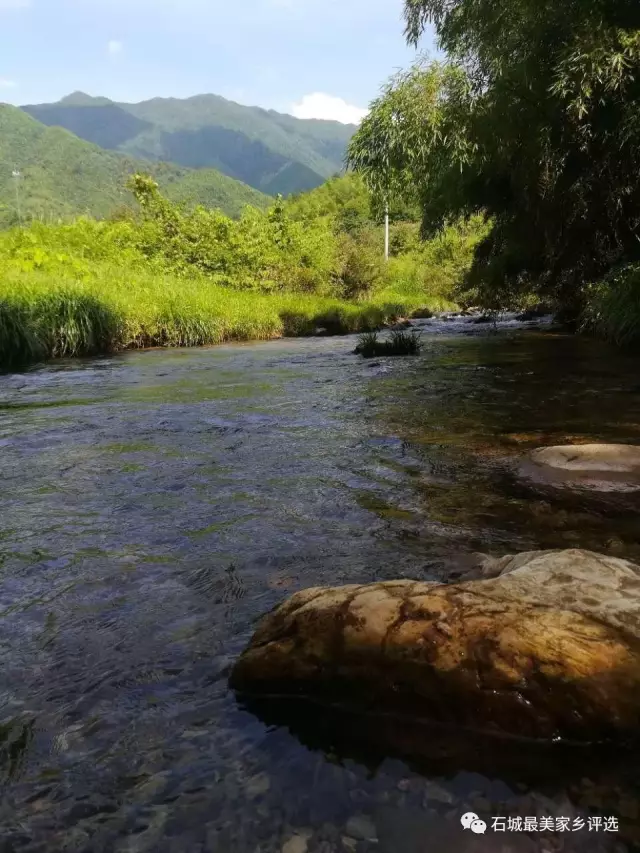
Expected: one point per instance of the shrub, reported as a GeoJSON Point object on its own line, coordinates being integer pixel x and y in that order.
{"type": "Point", "coordinates": [404, 237]}
{"type": "Point", "coordinates": [362, 267]}
{"type": "Point", "coordinates": [613, 307]}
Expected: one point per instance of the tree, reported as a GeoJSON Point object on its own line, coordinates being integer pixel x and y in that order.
{"type": "Point", "coordinates": [533, 122]}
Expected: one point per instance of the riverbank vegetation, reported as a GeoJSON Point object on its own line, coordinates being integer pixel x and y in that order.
{"type": "Point", "coordinates": [531, 123]}
{"type": "Point", "coordinates": [511, 172]}
{"type": "Point", "coordinates": [166, 275]}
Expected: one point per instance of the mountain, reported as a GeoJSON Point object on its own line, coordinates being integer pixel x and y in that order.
{"type": "Point", "coordinates": [270, 151]}
{"type": "Point", "coordinates": [62, 175]}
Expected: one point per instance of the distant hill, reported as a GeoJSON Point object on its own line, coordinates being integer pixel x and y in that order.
{"type": "Point", "coordinates": [62, 175]}
{"type": "Point", "coordinates": [270, 151]}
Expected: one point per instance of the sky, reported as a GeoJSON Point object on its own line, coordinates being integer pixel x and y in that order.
{"type": "Point", "coordinates": [310, 58]}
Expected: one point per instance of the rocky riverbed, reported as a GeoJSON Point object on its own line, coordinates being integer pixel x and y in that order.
{"type": "Point", "coordinates": [156, 505]}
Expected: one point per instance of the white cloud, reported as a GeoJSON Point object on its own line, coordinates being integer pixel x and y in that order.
{"type": "Point", "coordinates": [7, 84]}
{"type": "Point", "coordinates": [320, 105]}
{"type": "Point", "coordinates": [113, 47]}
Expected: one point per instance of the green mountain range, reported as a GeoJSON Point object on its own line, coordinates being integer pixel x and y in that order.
{"type": "Point", "coordinates": [61, 175]}
{"type": "Point", "coordinates": [272, 152]}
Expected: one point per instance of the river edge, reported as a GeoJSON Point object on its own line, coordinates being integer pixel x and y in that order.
{"type": "Point", "coordinates": [473, 321]}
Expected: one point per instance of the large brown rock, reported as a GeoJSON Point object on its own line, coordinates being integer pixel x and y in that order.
{"type": "Point", "coordinates": [546, 643]}
{"type": "Point", "coordinates": [601, 467]}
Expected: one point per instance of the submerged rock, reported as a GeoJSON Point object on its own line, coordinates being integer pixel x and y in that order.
{"type": "Point", "coordinates": [534, 313]}
{"type": "Point", "coordinates": [546, 644]}
{"type": "Point", "coordinates": [422, 314]}
{"type": "Point", "coordinates": [590, 457]}
{"type": "Point", "coordinates": [601, 467]}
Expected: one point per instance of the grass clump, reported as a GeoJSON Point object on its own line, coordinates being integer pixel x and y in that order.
{"type": "Point", "coordinates": [399, 343]}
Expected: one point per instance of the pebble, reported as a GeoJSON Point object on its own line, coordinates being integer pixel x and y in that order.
{"type": "Point", "coordinates": [362, 827]}
{"type": "Point", "coordinates": [296, 844]}
{"type": "Point", "coordinates": [438, 794]}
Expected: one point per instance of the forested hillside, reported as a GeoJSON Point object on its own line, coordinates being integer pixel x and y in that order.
{"type": "Point", "coordinates": [271, 152]}
{"type": "Point", "coordinates": [62, 176]}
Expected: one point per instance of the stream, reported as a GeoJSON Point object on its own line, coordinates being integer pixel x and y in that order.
{"type": "Point", "coordinates": [155, 504]}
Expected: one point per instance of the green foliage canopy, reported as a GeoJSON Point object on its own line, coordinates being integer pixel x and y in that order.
{"type": "Point", "coordinates": [532, 122]}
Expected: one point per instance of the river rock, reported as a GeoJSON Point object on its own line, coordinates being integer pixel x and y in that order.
{"type": "Point", "coordinates": [603, 467]}
{"type": "Point", "coordinates": [545, 644]}
{"type": "Point", "coordinates": [534, 313]}
{"type": "Point", "coordinates": [400, 325]}
{"type": "Point", "coordinates": [361, 827]}
{"type": "Point", "coordinates": [297, 843]}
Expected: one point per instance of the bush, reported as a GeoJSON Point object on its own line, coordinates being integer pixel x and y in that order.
{"type": "Point", "coordinates": [404, 237]}
{"type": "Point", "coordinates": [362, 266]}
{"type": "Point", "coordinates": [342, 200]}
{"type": "Point", "coordinates": [276, 252]}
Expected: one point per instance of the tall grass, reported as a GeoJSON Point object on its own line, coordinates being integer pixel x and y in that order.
{"type": "Point", "coordinates": [47, 316]}
{"type": "Point", "coordinates": [172, 277]}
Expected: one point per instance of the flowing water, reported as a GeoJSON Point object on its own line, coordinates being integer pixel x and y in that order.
{"type": "Point", "coordinates": [155, 504]}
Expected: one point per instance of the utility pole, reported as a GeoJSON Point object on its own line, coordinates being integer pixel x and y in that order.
{"type": "Point", "coordinates": [386, 231]}
{"type": "Point", "coordinates": [17, 176]}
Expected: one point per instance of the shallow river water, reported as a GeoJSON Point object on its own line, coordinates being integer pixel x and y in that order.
{"type": "Point", "coordinates": [155, 504]}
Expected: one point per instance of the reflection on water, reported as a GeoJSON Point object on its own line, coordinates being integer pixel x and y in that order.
{"type": "Point", "coordinates": [154, 505]}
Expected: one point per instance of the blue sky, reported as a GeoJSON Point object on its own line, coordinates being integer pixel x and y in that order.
{"type": "Point", "coordinates": [315, 58]}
